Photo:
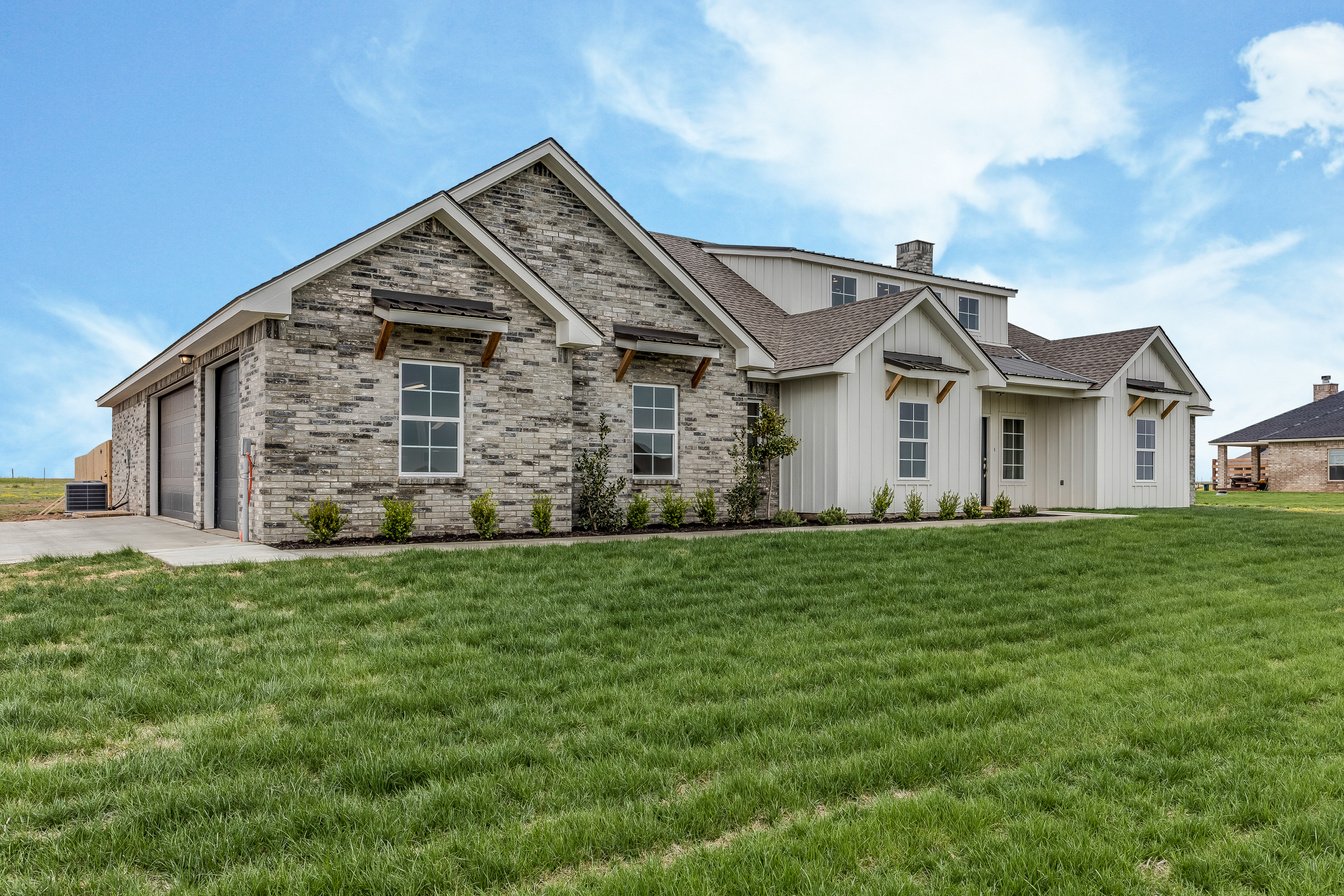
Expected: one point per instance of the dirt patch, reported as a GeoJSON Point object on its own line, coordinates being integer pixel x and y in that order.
{"type": "Point", "coordinates": [145, 737]}
{"type": "Point", "coordinates": [1155, 869]}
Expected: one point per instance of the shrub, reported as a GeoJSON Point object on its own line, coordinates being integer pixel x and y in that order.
{"type": "Point", "coordinates": [745, 496]}
{"type": "Point", "coordinates": [772, 443]}
{"type": "Point", "coordinates": [970, 506]}
{"type": "Point", "coordinates": [788, 518]}
{"type": "Point", "coordinates": [398, 520]}
{"type": "Point", "coordinates": [672, 508]}
{"type": "Point", "coordinates": [1027, 509]}
{"type": "Point", "coordinates": [596, 500]}
{"type": "Point", "coordinates": [541, 514]}
{"type": "Point", "coordinates": [1002, 506]}
{"type": "Point", "coordinates": [485, 515]}
{"type": "Point", "coordinates": [706, 509]}
{"type": "Point", "coordinates": [637, 514]}
{"type": "Point", "coordinates": [947, 505]}
{"type": "Point", "coordinates": [833, 516]}
{"type": "Point", "coordinates": [914, 506]}
{"type": "Point", "coordinates": [880, 502]}
{"type": "Point", "coordinates": [324, 521]}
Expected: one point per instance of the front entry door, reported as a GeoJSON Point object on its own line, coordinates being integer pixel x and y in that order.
{"type": "Point", "coordinates": [227, 447]}
{"type": "Point", "coordinates": [984, 460]}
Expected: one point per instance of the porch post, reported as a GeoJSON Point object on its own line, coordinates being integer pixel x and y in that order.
{"type": "Point", "coordinates": [1255, 464]}
{"type": "Point", "coordinates": [1222, 482]}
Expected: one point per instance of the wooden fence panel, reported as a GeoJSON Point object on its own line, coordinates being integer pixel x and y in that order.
{"type": "Point", "coordinates": [96, 465]}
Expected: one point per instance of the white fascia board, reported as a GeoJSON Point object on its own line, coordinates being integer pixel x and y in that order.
{"type": "Point", "coordinates": [448, 321]}
{"type": "Point", "coordinates": [1200, 411]}
{"type": "Point", "coordinates": [749, 353]}
{"type": "Point", "coordinates": [986, 374]}
{"type": "Point", "coordinates": [866, 267]}
{"type": "Point", "coordinates": [1260, 444]}
{"type": "Point", "coordinates": [939, 375]}
{"type": "Point", "coordinates": [668, 348]}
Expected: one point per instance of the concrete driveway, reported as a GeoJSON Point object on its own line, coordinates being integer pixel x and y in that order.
{"type": "Point", "coordinates": [174, 544]}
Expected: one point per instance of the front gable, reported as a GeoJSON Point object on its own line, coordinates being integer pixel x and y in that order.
{"type": "Point", "coordinates": [549, 210]}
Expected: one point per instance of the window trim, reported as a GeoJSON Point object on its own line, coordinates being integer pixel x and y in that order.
{"type": "Point", "coordinates": [960, 312]}
{"type": "Point", "coordinates": [1331, 466]}
{"type": "Point", "coordinates": [460, 419]}
{"type": "Point", "coordinates": [675, 431]}
{"type": "Point", "coordinates": [846, 276]}
{"type": "Point", "coordinates": [900, 440]}
{"type": "Point", "coordinates": [1139, 449]}
{"type": "Point", "coordinates": [1004, 449]}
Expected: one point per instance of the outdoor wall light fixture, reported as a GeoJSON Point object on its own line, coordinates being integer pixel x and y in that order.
{"type": "Point", "coordinates": [186, 358]}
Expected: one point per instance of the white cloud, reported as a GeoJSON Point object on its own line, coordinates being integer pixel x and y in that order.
{"type": "Point", "coordinates": [897, 115]}
{"type": "Point", "coordinates": [1257, 348]}
{"type": "Point", "coordinates": [65, 363]}
{"type": "Point", "coordinates": [1298, 78]}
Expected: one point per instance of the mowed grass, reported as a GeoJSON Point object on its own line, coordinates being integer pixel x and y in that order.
{"type": "Point", "coordinates": [22, 497]}
{"type": "Point", "coordinates": [1136, 706]}
{"type": "Point", "coordinates": [1303, 502]}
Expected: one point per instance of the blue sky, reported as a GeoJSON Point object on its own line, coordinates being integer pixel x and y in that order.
{"type": "Point", "coordinates": [1173, 163]}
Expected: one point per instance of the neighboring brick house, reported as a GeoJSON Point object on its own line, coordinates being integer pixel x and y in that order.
{"type": "Point", "coordinates": [1241, 470]}
{"type": "Point", "coordinates": [474, 341]}
{"type": "Point", "coordinates": [1307, 444]}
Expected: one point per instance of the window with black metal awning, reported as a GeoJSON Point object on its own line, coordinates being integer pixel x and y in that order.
{"type": "Point", "coordinates": [438, 311]}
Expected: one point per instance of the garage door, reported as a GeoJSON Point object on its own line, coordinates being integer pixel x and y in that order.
{"type": "Point", "coordinates": [227, 448]}
{"type": "Point", "coordinates": [177, 459]}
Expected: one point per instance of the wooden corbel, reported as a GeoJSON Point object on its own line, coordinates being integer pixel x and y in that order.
{"type": "Point", "coordinates": [895, 382]}
{"type": "Point", "coordinates": [700, 372]}
{"type": "Point", "coordinates": [1169, 408]}
{"type": "Point", "coordinates": [380, 347]}
{"type": "Point", "coordinates": [947, 387]}
{"type": "Point", "coordinates": [488, 354]}
{"type": "Point", "coordinates": [1139, 400]}
{"type": "Point", "coordinates": [625, 364]}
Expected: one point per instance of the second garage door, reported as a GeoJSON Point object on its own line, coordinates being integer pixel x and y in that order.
{"type": "Point", "coordinates": [177, 455]}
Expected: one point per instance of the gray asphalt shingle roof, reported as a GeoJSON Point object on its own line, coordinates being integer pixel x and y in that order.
{"type": "Point", "coordinates": [1322, 419]}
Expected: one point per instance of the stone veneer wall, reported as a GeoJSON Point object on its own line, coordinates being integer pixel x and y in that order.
{"type": "Point", "coordinates": [1301, 467]}
{"type": "Point", "coordinates": [333, 412]}
{"type": "Point", "coordinates": [550, 228]}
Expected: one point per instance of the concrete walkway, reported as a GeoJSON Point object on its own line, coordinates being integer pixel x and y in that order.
{"type": "Point", "coordinates": [174, 544]}
{"type": "Point", "coordinates": [178, 545]}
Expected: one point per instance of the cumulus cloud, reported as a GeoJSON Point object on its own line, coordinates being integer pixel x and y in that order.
{"type": "Point", "coordinates": [898, 115]}
{"type": "Point", "coordinates": [1297, 76]}
{"type": "Point", "coordinates": [66, 354]}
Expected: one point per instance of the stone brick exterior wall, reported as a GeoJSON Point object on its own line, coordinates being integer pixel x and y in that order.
{"type": "Point", "coordinates": [1301, 467]}
{"type": "Point", "coordinates": [550, 228]}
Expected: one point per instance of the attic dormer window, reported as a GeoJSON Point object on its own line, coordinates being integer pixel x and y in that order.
{"type": "Point", "coordinates": [968, 312]}
{"type": "Point", "coordinates": [844, 290]}
{"type": "Point", "coordinates": [887, 289]}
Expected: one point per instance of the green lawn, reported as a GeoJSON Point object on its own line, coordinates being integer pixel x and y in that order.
{"type": "Point", "coordinates": [22, 497]}
{"type": "Point", "coordinates": [1136, 706]}
{"type": "Point", "coordinates": [1313, 502]}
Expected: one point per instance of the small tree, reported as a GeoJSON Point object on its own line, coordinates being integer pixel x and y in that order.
{"type": "Point", "coordinates": [772, 443]}
{"type": "Point", "coordinates": [745, 495]}
{"type": "Point", "coordinates": [596, 505]}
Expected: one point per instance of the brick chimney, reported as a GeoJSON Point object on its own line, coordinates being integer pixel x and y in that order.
{"type": "Point", "coordinates": [916, 255]}
{"type": "Point", "coordinates": [1323, 389]}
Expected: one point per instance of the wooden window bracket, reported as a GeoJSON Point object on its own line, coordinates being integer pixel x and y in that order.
{"type": "Point", "coordinates": [947, 387]}
{"type": "Point", "coordinates": [1138, 401]}
{"type": "Point", "coordinates": [384, 335]}
{"type": "Point", "coordinates": [895, 383]}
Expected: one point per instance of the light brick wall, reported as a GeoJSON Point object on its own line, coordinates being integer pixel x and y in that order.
{"type": "Point", "coordinates": [1301, 467]}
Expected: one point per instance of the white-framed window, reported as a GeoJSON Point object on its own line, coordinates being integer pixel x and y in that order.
{"type": "Point", "coordinates": [1145, 454]}
{"type": "Point", "coordinates": [654, 432]}
{"type": "Point", "coordinates": [844, 290]}
{"type": "Point", "coordinates": [887, 289]}
{"type": "Point", "coordinates": [914, 440]}
{"type": "Point", "coordinates": [431, 419]}
{"type": "Point", "coordinates": [1335, 463]}
{"type": "Point", "coordinates": [968, 312]}
{"type": "Point", "coordinates": [753, 414]}
{"type": "Point", "coordinates": [1014, 448]}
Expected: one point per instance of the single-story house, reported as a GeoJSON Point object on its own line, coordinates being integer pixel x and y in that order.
{"type": "Point", "coordinates": [473, 341]}
{"type": "Point", "coordinates": [1242, 470]}
{"type": "Point", "coordinates": [1307, 444]}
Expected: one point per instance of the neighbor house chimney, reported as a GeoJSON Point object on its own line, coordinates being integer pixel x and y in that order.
{"type": "Point", "coordinates": [1323, 389]}
{"type": "Point", "coordinates": [916, 256]}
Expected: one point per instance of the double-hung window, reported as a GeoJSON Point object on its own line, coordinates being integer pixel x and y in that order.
{"type": "Point", "coordinates": [655, 432]}
{"type": "Point", "coordinates": [1014, 449]}
{"type": "Point", "coordinates": [1146, 450]}
{"type": "Point", "coordinates": [844, 290]}
{"type": "Point", "coordinates": [1335, 461]}
{"type": "Point", "coordinates": [968, 312]}
{"type": "Point", "coordinates": [914, 440]}
{"type": "Point", "coordinates": [431, 419]}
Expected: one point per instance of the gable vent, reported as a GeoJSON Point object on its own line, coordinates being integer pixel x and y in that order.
{"type": "Point", "coordinates": [541, 170]}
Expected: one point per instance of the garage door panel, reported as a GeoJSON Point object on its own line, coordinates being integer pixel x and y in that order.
{"type": "Point", "coordinates": [177, 457]}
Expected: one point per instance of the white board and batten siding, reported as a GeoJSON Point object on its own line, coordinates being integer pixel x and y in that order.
{"type": "Point", "coordinates": [1117, 482]}
{"type": "Point", "coordinates": [845, 458]}
{"type": "Point", "coordinates": [797, 286]}
{"type": "Point", "coordinates": [1061, 444]}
